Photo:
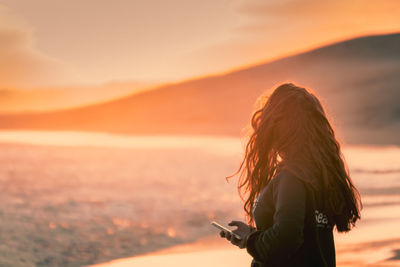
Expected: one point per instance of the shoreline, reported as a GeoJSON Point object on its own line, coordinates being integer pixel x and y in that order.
{"type": "Point", "coordinates": [210, 251]}
{"type": "Point", "coordinates": [214, 251]}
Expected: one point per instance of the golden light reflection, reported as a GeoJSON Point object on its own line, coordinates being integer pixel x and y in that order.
{"type": "Point", "coordinates": [121, 223]}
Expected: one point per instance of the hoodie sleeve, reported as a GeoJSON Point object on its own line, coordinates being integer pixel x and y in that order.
{"type": "Point", "coordinates": [281, 241]}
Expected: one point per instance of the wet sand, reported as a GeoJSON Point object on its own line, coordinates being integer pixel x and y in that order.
{"type": "Point", "coordinates": [209, 251]}
{"type": "Point", "coordinates": [369, 244]}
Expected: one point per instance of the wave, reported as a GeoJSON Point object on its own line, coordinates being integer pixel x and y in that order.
{"type": "Point", "coordinates": [376, 171]}
{"type": "Point", "coordinates": [394, 190]}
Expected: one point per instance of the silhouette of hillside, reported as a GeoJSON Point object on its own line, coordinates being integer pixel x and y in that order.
{"type": "Point", "coordinates": [358, 81]}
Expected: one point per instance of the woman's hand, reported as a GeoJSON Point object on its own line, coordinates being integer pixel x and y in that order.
{"type": "Point", "coordinates": [243, 230]}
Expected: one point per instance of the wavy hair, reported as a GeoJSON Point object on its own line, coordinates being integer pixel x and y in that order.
{"type": "Point", "coordinates": [291, 130]}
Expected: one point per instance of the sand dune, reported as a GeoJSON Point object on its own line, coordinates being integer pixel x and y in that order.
{"type": "Point", "coordinates": [358, 81]}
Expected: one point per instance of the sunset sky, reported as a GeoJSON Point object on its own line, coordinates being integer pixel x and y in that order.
{"type": "Point", "coordinates": [74, 42]}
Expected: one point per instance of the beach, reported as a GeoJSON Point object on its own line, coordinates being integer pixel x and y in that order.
{"type": "Point", "coordinates": [124, 200]}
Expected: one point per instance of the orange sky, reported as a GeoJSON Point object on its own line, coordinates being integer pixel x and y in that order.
{"type": "Point", "coordinates": [66, 42]}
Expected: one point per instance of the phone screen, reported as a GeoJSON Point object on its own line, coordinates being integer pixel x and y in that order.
{"type": "Point", "coordinates": [222, 228]}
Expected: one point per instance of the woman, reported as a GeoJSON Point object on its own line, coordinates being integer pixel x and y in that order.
{"type": "Point", "coordinates": [295, 184]}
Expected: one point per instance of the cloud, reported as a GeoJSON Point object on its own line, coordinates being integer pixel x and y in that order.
{"type": "Point", "coordinates": [296, 8]}
{"type": "Point", "coordinates": [21, 66]}
{"type": "Point", "coordinates": [263, 15]}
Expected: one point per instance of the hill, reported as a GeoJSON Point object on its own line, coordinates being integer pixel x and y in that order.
{"type": "Point", "coordinates": [358, 81]}
{"type": "Point", "coordinates": [48, 99]}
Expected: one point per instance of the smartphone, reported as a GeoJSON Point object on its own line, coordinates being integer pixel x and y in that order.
{"type": "Point", "coordinates": [220, 227]}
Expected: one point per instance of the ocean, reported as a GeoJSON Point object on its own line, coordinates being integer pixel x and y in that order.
{"type": "Point", "coordinates": [74, 199]}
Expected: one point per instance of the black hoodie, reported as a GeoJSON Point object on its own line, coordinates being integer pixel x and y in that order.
{"type": "Point", "coordinates": [292, 227]}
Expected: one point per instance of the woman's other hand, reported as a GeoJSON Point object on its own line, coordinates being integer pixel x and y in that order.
{"type": "Point", "coordinates": [243, 230]}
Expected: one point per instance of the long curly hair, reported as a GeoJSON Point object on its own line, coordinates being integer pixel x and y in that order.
{"type": "Point", "coordinates": [291, 130]}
